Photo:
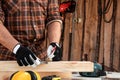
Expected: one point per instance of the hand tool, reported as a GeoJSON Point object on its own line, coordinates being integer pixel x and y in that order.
{"type": "Point", "coordinates": [52, 77]}
{"type": "Point", "coordinates": [98, 70]}
{"type": "Point", "coordinates": [67, 6]}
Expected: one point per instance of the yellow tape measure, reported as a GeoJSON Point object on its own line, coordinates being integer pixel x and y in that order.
{"type": "Point", "coordinates": [56, 78]}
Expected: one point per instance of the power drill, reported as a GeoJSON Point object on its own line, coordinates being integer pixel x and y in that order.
{"type": "Point", "coordinates": [98, 70]}
{"type": "Point", "coordinates": [67, 6]}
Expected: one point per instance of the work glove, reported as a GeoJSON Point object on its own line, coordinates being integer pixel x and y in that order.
{"type": "Point", "coordinates": [54, 52]}
{"type": "Point", "coordinates": [25, 56]}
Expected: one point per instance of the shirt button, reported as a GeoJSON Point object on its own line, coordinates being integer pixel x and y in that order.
{"type": "Point", "coordinates": [35, 40]}
{"type": "Point", "coordinates": [34, 26]}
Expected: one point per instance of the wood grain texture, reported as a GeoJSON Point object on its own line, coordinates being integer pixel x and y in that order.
{"type": "Point", "coordinates": [90, 29]}
{"type": "Point", "coordinates": [84, 38]}
{"type": "Point", "coordinates": [5, 75]}
{"type": "Point", "coordinates": [63, 69]}
{"type": "Point", "coordinates": [61, 66]}
{"type": "Point", "coordinates": [66, 41]}
{"type": "Point", "coordinates": [116, 57]}
{"type": "Point", "coordinates": [107, 38]}
{"type": "Point", "coordinates": [77, 29]}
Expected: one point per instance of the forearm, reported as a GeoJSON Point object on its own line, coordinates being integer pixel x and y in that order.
{"type": "Point", "coordinates": [6, 39]}
{"type": "Point", "coordinates": [54, 32]}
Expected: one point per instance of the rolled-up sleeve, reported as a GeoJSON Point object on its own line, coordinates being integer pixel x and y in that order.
{"type": "Point", "coordinates": [2, 18]}
{"type": "Point", "coordinates": [53, 13]}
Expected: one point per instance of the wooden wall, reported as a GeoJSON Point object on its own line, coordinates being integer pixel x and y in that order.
{"type": "Point", "coordinates": [83, 34]}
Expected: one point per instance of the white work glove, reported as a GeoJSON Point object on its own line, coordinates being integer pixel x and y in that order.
{"type": "Point", "coordinates": [54, 52]}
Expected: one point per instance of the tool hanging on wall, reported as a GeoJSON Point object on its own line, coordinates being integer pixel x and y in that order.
{"type": "Point", "coordinates": [107, 4]}
{"type": "Point", "coordinates": [67, 6]}
{"type": "Point", "coordinates": [113, 21]}
{"type": "Point", "coordinates": [25, 75]}
{"type": "Point", "coordinates": [102, 11]}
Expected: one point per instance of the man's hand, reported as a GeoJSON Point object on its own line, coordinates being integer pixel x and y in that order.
{"type": "Point", "coordinates": [54, 52]}
{"type": "Point", "coordinates": [25, 56]}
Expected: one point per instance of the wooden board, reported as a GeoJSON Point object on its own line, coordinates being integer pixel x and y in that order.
{"type": "Point", "coordinates": [116, 57]}
{"type": "Point", "coordinates": [77, 29]}
{"type": "Point", "coordinates": [6, 75]}
{"type": "Point", "coordinates": [90, 31]}
{"type": "Point", "coordinates": [66, 41]}
{"type": "Point", "coordinates": [63, 69]}
{"type": "Point", "coordinates": [60, 66]}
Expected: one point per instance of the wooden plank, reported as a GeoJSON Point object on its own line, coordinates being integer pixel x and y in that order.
{"type": "Point", "coordinates": [107, 39]}
{"type": "Point", "coordinates": [60, 66]}
{"type": "Point", "coordinates": [63, 69]}
{"type": "Point", "coordinates": [116, 57]}
{"type": "Point", "coordinates": [101, 51]}
{"type": "Point", "coordinates": [90, 29]}
{"type": "Point", "coordinates": [77, 30]}
{"type": "Point", "coordinates": [5, 75]}
{"type": "Point", "coordinates": [66, 41]}
{"type": "Point", "coordinates": [92, 24]}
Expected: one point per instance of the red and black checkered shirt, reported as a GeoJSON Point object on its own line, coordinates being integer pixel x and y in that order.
{"type": "Point", "coordinates": [26, 21]}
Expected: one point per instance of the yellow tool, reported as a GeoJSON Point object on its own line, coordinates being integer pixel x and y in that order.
{"type": "Point", "coordinates": [56, 78]}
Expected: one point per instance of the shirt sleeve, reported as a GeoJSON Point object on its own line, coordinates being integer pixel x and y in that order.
{"type": "Point", "coordinates": [53, 13]}
{"type": "Point", "coordinates": [2, 18]}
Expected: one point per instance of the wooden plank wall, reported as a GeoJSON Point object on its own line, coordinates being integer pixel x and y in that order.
{"type": "Point", "coordinates": [83, 35]}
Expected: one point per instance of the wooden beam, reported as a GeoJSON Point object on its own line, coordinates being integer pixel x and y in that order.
{"type": "Point", "coordinates": [60, 66]}
{"type": "Point", "coordinates": [6, 75]}
{"type": "Point", "coordinates": [63, 69]}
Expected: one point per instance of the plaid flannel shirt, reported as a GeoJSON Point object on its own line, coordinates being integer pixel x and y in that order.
{"type": "Point", "coordinates": [26, 21]}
